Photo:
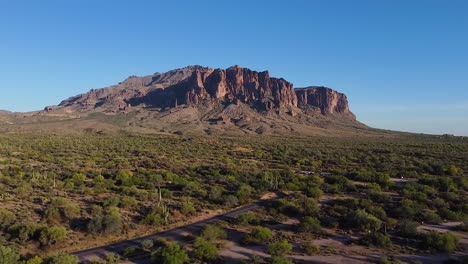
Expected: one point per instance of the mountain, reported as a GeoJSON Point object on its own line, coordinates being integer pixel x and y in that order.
{"type": "Point", "coordinates": [201, 99]}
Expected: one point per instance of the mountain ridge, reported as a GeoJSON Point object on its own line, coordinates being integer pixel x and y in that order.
{"type": "Point", "coordinates": [198, 99]}
{"type": "Point", "coordinates": [192, 84]}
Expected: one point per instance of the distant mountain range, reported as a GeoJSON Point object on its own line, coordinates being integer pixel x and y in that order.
{"type": "Point", "coordinates": [199, 99]}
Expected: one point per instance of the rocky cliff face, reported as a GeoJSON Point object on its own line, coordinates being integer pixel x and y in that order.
{"type": "Point", "coordinates": [196, 85]}
{"type": "Point", "coordinates": [324, 98]}
{"type": "Point", "coordinates": [231, 85]}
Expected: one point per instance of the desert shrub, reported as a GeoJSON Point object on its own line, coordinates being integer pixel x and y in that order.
{"type": "Point", "coordinates": [310, 248]}
{"type": "Point", "coordinates": [261, 233]}
{"type": "Point", "coordinates": [23, 190]}
{"type": "Point", "coordinates": [8, 255]}
{"type": "Point", "coordinates": [128, 202]}
{"type": "Point", "coordinates": [96, 210]}
{"type": "Point", "coordinates": [152, 218]}
{"type": "Point", "coordinates": [309, 207]}
{"type": "Point", "coordinates": [95, 224]}
{"type": "Point", "coordinates": [111, 201]}
{"type": "Point", "coordinates": [6, 217]}
{"type": "Point", "coordinates": [71, 211]}
{"type": "Point", "coordinates": [78, 179]}
{"type": "Point", "coordinates": [446, 242]}
{"type": "Point", "coordinates": [248, 218]}
{"type": "Point", "coordinates": [52, 235]}
{"type": "Point", "coordinates": [112, 258]}
{"type": "Point", "coordinates": [230, 200]}
{"type": "Point", "coordinates": [188, 208]}
{"type": "Point", "coordinates": [408, 228]}
{"type": "Point", "coordinates": [431, 217]}
{"type": "Point", "coordinates": [280, 248]}
{"type": "Point", "coordinates": [24, 232]}
{"type": "Point", "coordinates": [216, 194]}
{"type": "Point", "coordinates": [362, 220]}
{"type": "Point", "coordinates": [204, 249]}
{"type": "Point", "coordinates": [376, 239]}
{"type": "Point", "coordinates": [310, 224]}
{"type": "Point", "coordinates": [52, 215]}
{"type": "Point", "coordinates": [170, 253]}
{"type": "Point", "coordinates": [213, 232]}
{"type": "Point", "coordinates": [112, 221]}
{"type": "Point", "coordinates": [147, 244]}
{"type": "Point", "coordinates": [244, 193]}
{"type": "Point", "coordinates": [313, 192]}
{"type": "Point", "coordinates": [34, 260]}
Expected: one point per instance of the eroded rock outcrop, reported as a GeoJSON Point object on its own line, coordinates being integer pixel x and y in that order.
{"type": "Point", "coordinates": [324, 98]}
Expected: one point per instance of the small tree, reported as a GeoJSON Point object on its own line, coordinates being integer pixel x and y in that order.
{"type": "Point", "coordinates": [205, 250]}
{"type": "Point", "coordinates": [170, 254]}
{"type": "Point", "coordinates": [34, 260]}
{"type": "Point", "coordinates": [244, 193]}
{"type": "Point", "coordinates": [112, 221]}
{"type": "Point", "coordinates": [262, 233]}
{"type": "Point", "coordinates": [408, 228]}
{"type": "Point", "coordinates": [8, 255]}
{"type": "Point", "coordinates": [52, 215]}
{"type": "Point", "coordinates": [446, 242]}
{"type": "Point", "coordinates": [310, 224]}
{"type": "Point", "coordinates": [213, 232]}
{"type": "Point", "coordinates": [71, 211]}
{"type": "Point", "coordinates": [280, 248]}
{"type": "Point", "coordinates": [6, 217]}
{"type": "Point", "coordinates": [52, 235]}
{"type": "Point", "coordinates": [188, 208]}
{"type": "Point", "coordinates": [365, 221]}
{"type": "Point", "coordinates": [310, 248]}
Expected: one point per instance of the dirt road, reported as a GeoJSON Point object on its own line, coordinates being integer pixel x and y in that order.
{"type": "Point", "coordinates": [179, 234]}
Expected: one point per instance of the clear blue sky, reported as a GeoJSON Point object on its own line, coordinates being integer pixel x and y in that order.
{"type": "Point", "coordinates": [403, 64]}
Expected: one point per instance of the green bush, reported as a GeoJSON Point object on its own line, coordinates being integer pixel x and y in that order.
{"type": "Point", "coordinates": [213, 233]}
{"type": "Point", "coordinates": [205, 250]}
{"type": "Point", "coordinates": [170, 254]}
{"type": "Point", "coordinates": [52, 215]}
{"type": "Point", "coordinates": [431, 217]}
{"type": "Point", "coordinates": [446, 242]}
{"type": "Point", "coordinates": [408, 228]}
{"type": "Point", "coordinates": [6, 217]}
{"type": "Point", "coordinates": [95, 225]}
{"type": "Point", "coordinates": [71, 211]}
{"type": "Point", "coordinates": [362, 220]}
{"type": "Point", "coordinates": [376, 239]}
{"type": "Point", "coordinates": [128, 202]}
{"type": "Point", "coordinates": [310, 248]}
{"type": "Point", "coordinates": [261, 233]}
{"type": "Point", "coordinates": [310, 224]}
{"type": "Point", "coordinates": [188, 208]}
{"type": "Point", "coordinates": [280, 248]}
{"type": "Point", "coordinates": [8, 255]}
{"type": "Point", "coordinates": [248, 218]}
{"type": "Point", "coordinates": [112, 222]}
{"type": "Point", "coordinates": [52, 235]}
{"type": "Point", "coordinates": [34, 260]}
{"type": "Point", "coordinates": [152, 219]}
